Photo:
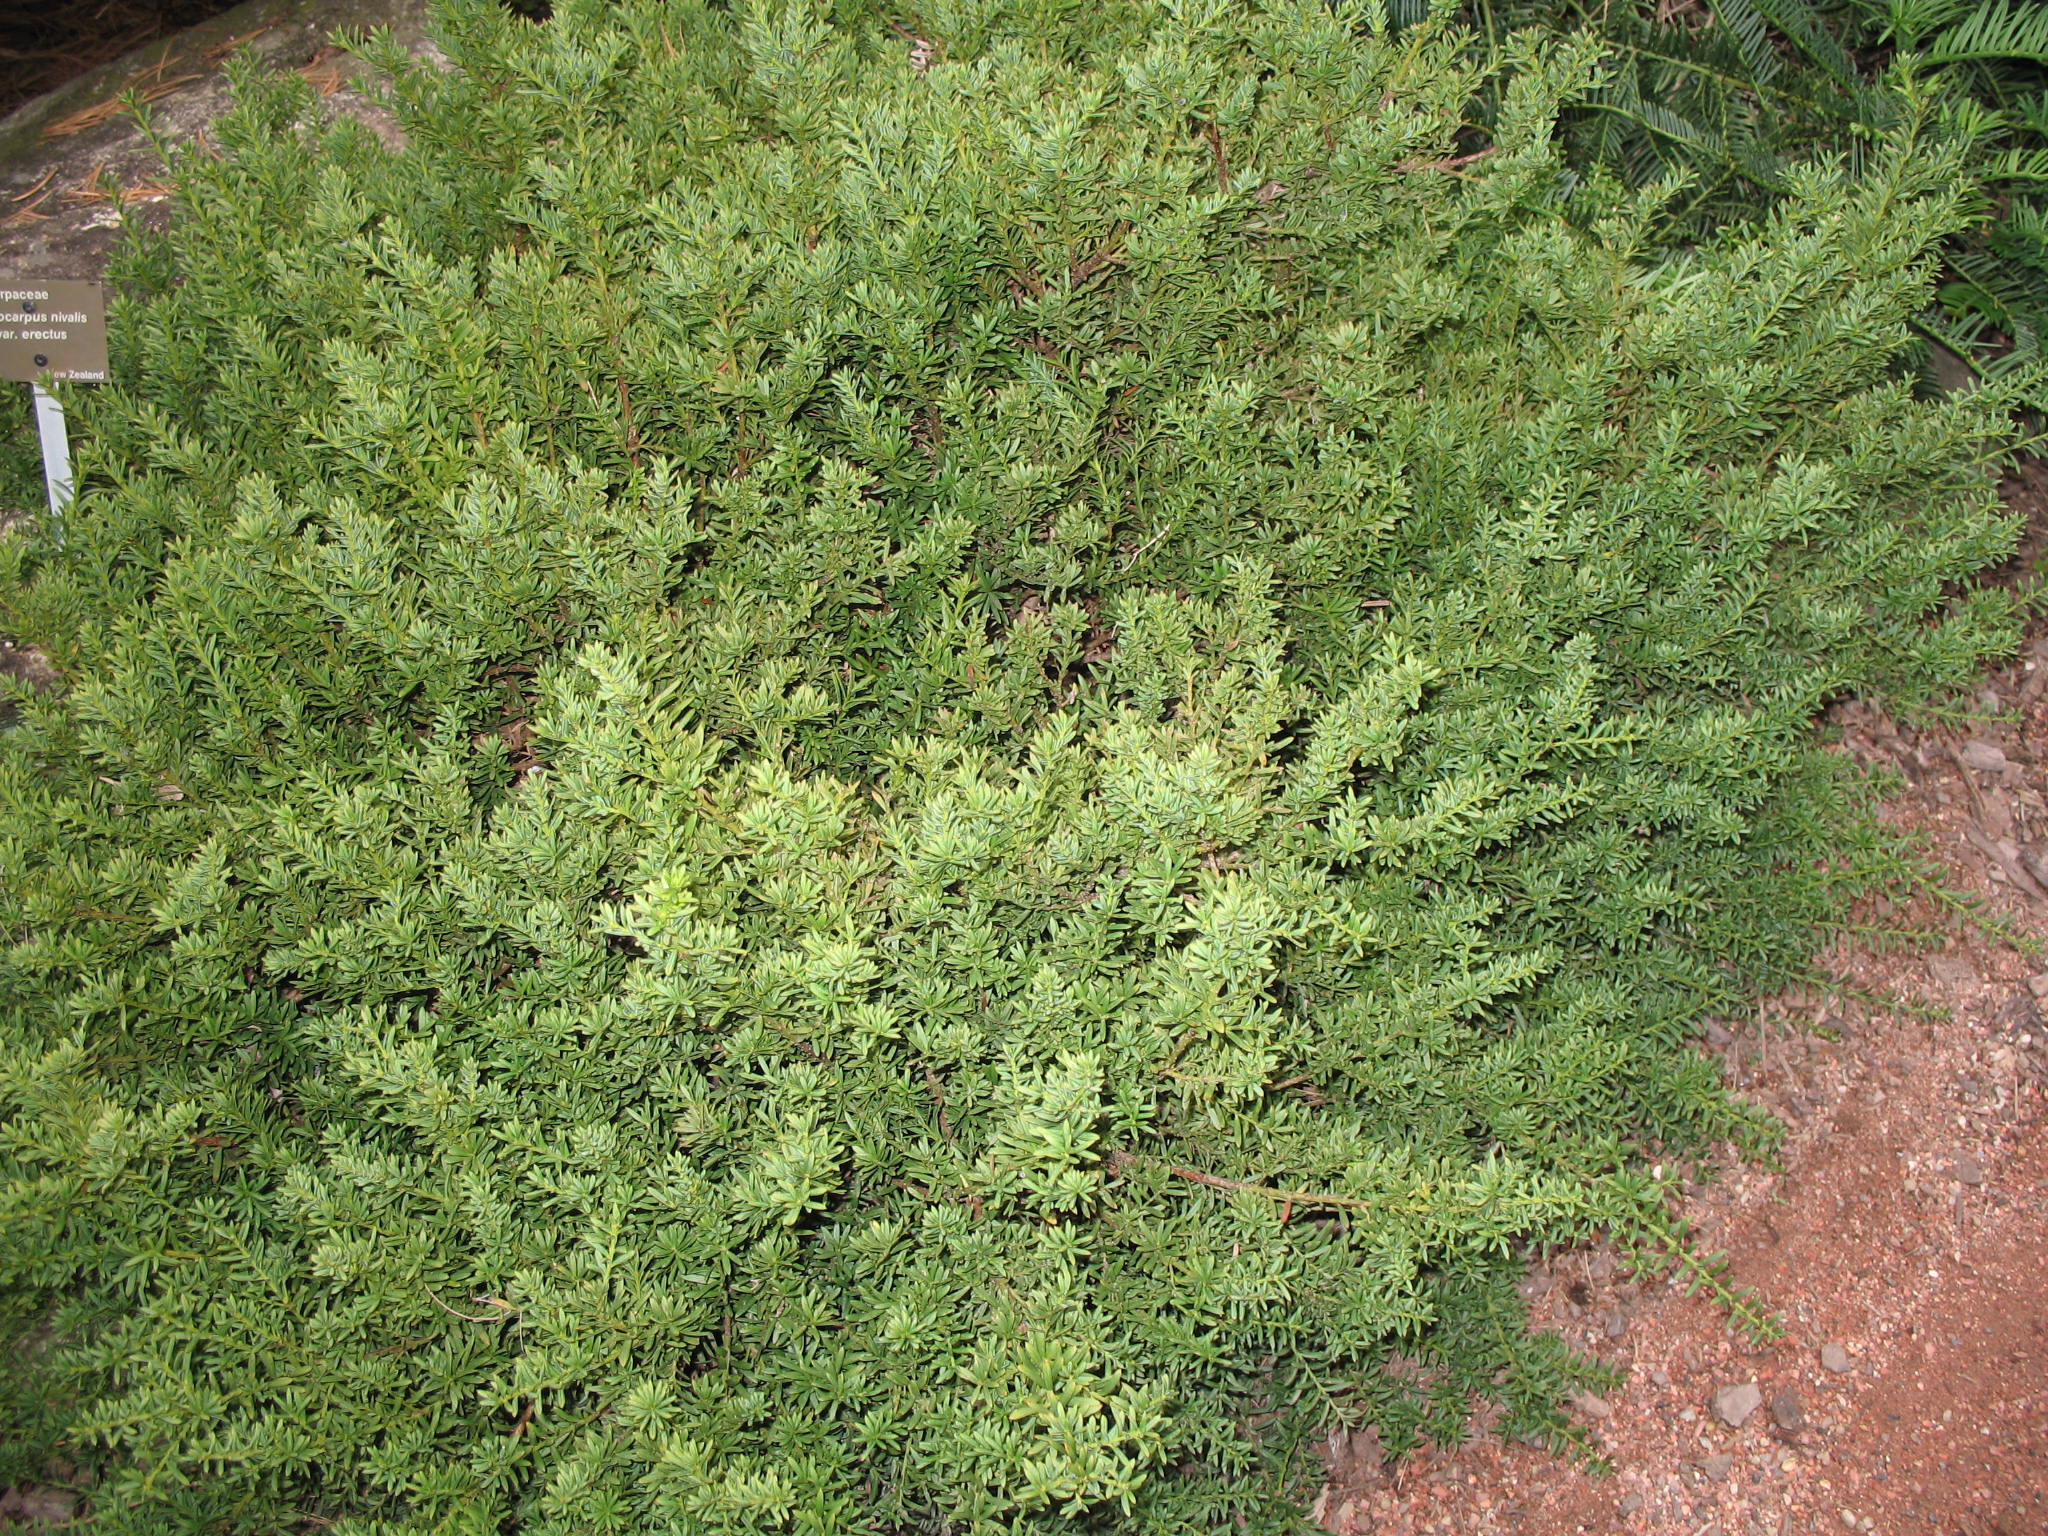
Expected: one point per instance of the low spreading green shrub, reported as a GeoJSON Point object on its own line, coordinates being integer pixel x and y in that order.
{"type": "Point", "coordinates": [921, 771]}
{"type": "Point", "coordinates": [1730, 92]}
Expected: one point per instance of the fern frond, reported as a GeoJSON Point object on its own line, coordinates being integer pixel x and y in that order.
{"type": "Point", "coordinates": [2030, 114]}
{"type": "Point", "coordinates": [2002, 29]}
{"type": "Point", "coordinates": [1744, 21]}
{"type": "Point", "coordinates": [1908, 21]}
{"type": "Point", "coordinates": [2015, 299]}
{"type": "Point", "coordinates": [1800, 22]}
{"type": "Point", "coordinates": [2022, 235]}
{"type": "Point", "coordinates": [2017, 165]}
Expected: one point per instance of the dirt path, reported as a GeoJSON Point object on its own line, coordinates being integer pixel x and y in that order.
{"type": "Point", "coordinates": [1903, 1244]}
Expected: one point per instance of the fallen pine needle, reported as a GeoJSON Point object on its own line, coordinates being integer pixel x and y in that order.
{"type": "Point", "coordinates": [228, 45]}
{"type": "Point", "coordinates": [22, 197]}
{"type": "Point", "coordinates": [90, 190]}
{"type": "Point", "coordinates": [323, 71]}
{"type": "Point", "coordinates": [27, 215]}
{"type": "Point", "coordinates": [93, 116]}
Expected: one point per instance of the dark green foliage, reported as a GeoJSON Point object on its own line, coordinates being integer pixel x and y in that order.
{"type": "Point", "coordinates": [806, 793]}
{"type": "Point", "coordinates": [21, 479]}
{"type": "Point", "coordinates": [1731, 92]}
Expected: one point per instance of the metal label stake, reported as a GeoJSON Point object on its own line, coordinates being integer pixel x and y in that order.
{"type": "Point", "coordinates": [56, 448]}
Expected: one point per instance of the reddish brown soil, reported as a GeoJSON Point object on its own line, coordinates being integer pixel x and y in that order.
{"type": "Point", "coordinates": [1907, 1226]}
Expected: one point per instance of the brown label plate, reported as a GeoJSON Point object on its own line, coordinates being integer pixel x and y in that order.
{"type": "Point", "coordinates": [53, 327]}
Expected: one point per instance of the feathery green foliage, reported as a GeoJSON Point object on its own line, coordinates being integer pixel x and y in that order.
{"type": "Point", "coordinates": [1730, 92]}
{"type": "Point", "coordinates": [866, 772]}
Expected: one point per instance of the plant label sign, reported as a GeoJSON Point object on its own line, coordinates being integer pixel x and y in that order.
{"type": "Point", "coordinates": [54, 328]}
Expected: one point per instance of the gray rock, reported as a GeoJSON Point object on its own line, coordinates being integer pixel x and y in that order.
{"type": "Point", "coordinates": [1632, 1503]}
{"type": "Point", "coordinates": [36, 1507]}
{"type": "Point", "coordinates": [1616, 1325]}
{"type": "Point", "coordinates": [1353, 1458]}
{"type": "Point", "coordinates": [1786, 1410]}
{"type": "Point", "coordinates": [1592, 1406]}
{"type": "Point", "coordinates": [2031, 862]}
{"type": "Point", "coordinates": [1718, 1467]}
{"type": "Point", "coordinates": [1953, 970]}
{"type": "Point", "coordinates": [1984, 757]}
{"type": "Point", "coordinates": [1735, 1404]}
{"type": "Point", "coordinates": [1835, 1358]}
{"type": "Point", "coordinates": [2021, 1013]}
{"type": "Point", "coordinates": [1967, 1170]}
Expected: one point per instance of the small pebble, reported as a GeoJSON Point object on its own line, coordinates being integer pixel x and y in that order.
{"type": "Point", "coordinates": [1632, 1503]}
{"type": "Point", "coordinates": [1660, 1376]}
{"type": "Point", "coordinates": [2038, 985]}
{"type": "Point", "coordinates": [1592, 1406]}
{"type": "Point", "coordinates": [1835, 1358]}
{"type": "Point", "coordinates": [1785, 1409]}
{"type": "Point", "coordinates": [1734, 1404]}
{"type": "Point", "coordinates": [1616, 1325]}
{"type": "Point", "coordinates": [1718, 1467]}
{"type": "Point", "coordinates": [1953, 970]}
{"type": "Point", "coordinates": [1984, 757]}
{"type": "Point", "coordinates": [1967, 1170]}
